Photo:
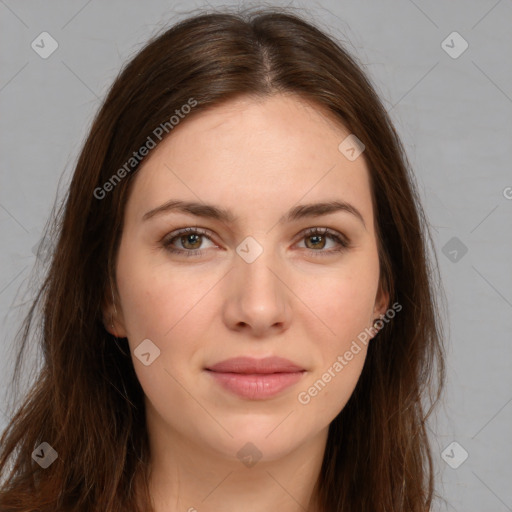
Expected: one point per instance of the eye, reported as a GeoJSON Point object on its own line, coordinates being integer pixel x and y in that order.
{"type": "Point", "coordinates": [192, 238]}
{"type": "Point", "coordinates": [189, 238]}
{"type": "Point", "coordinates": [316, 239]}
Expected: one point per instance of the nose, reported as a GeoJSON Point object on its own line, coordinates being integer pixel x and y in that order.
{"type": "Point", "coordinates": [258, 299]}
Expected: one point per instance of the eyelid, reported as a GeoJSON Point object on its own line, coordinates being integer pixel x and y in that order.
{"type": "Point", "coordinates": [324, 231]}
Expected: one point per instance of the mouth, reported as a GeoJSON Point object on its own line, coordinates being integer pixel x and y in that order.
{"type": "Point", "coordinates": [256, 379]}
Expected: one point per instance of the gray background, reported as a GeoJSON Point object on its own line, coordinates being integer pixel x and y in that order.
{"type": "Point", "coordinates": [454, 115]}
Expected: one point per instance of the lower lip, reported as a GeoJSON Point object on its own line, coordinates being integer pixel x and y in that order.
{"type": "Point", "coordinates": [256, 386]}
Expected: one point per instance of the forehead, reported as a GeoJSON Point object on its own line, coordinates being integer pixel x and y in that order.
{"type": "Point", "coordinates": [253, 153]}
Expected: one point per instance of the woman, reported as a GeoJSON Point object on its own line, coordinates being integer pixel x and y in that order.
{"type": "Point", "coordinates": [240, 310]}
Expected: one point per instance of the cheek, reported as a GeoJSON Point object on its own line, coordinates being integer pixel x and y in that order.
{"type": "Point", "coordinates": [343, 301]}
{"type": "Point", "coordinates": [155, 299]}
{"type": "Point", "coordinates": [165, 308]}
{"type": "Point", "coordinates": [338, 351]}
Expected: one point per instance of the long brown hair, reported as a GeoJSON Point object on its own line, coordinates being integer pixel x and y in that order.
{"type": "Point", "coordinates": [86, 401]}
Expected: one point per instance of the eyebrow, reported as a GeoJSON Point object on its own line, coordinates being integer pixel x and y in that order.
{"type": "Point", "coordinates": [214, 212]}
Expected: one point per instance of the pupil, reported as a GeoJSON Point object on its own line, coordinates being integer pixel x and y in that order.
{"type": "Point", "coordinates": [318, 239]}
{"type": "Point", "coordinates": [189, 241]}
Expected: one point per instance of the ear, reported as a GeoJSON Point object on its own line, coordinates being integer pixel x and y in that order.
{"type": "Point", "coordinates": [381, 302]}
{"type": "Point", "coordinates": [112, 313]}
{"type": "Point", "coordinates": [380, 307]}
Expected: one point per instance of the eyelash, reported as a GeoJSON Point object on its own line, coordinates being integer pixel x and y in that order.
{"type": "Point", "coordinates": [333, 235]}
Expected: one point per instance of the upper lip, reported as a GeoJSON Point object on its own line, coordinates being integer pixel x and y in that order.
{"type": "Point", "coordinates": [251, 365]}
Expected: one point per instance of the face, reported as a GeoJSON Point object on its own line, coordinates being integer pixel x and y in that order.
{"type": "Point", "coordinates": [197, 288]}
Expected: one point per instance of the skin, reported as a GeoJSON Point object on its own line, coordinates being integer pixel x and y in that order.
{"type": "Point", "coordinates": [257, 158]}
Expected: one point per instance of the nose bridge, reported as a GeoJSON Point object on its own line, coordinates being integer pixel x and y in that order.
{"type": "Point", "coordinates": [259, 296]}
{"type": "Point", "coordinates": [257, 265]}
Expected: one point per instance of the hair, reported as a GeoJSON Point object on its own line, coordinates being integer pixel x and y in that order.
{"type": "Point", "coordinates": [86, 401]}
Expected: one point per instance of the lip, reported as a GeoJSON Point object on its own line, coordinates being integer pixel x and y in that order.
{"type": "Point", "coordinates": [256, 379]}
{"type": "Point", "coordinates": [253, 365]}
